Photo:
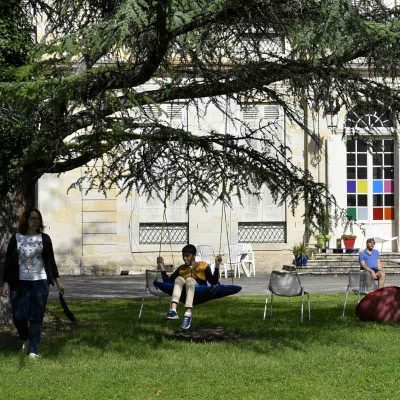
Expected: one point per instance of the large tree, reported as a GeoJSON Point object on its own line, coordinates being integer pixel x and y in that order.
{"type": "Point", "coordinates": [77, 95]}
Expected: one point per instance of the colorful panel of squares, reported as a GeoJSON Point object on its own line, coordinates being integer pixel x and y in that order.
{"type": "Point", "coordinates": [370, 184]}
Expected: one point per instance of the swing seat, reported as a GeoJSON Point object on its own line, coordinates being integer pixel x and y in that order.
{"type": "Point", "coordinates": [382, 305]}
{"type": "Point", "coordinates": [202, 293]}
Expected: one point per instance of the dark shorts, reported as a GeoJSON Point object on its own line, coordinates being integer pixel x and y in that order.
{"type": "Point", "coordinates": [373, 269]}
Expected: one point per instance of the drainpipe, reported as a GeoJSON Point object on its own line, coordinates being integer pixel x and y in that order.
{"type": "Point", "coordinates": [307, 234]}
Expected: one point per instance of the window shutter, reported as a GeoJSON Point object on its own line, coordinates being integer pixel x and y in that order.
{"type": "Point", "coordinates": [271, 112]}
{"type": "Point", "coordinates": [175, 111]}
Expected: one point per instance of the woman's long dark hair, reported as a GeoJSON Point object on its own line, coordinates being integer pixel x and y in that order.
{"type": "Point", "coordinates": [23, 221]}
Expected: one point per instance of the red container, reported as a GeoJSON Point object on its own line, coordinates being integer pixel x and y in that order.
{"type": "Point", "coordinates": [349, 243]}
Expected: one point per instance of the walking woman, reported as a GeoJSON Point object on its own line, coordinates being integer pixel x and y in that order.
{"type": "Point", "coordinates": [29, 270]}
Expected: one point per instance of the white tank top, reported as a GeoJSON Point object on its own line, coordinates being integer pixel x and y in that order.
{"type": "Point", "coordinates": [31, 264]}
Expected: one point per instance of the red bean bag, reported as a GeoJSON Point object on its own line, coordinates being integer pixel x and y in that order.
{"type": "Point", "coordinates": [382, 305]}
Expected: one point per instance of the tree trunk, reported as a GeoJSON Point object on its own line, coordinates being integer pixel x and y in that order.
{"type": "Point", "coordinates": [11, 206]}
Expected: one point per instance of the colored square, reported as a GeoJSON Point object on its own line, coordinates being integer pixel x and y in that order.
{"type": "Point", "coordinates": [352, 214]}
{"type": "Point", "coordinates": [351, 187]}
{"type": "Point", "coordinates": [389, 213]}
{"type": "Point", "coordinates": [377, 159]}
{"type": "Point", "coordinates": [362, 213]}
{"type": "Point", "coordinates": [362, 173]}
{"type": "Point", "coordinates": [351, 159]}
{"type": "Point", "coordinates": [378, 214]}
{"type": "Point", "coordinates": [351, 200]}
{"type": "Point", "coordinates": [377, 186]}
{"type": "Point", "coordinates": [377, 173]}
{"type": "Point", "coordinates": [388, 172]}
{"type": "Point", "coordinates": [362, 186]}
{"type": "Point", "coordinates": [377, 200]}
{"type": "Point", "coordinates": [389, 186]}
{"type": "Point", "coordinates": [351, 173]}
{"type": "Point", "coordinates": [361, 159]}
{"type": "Point", "coordinates": [389, 200]}
{"type": "Point", "coordinates": [388, 159]}
{"type": "Point", "coordinates": [362, 200]}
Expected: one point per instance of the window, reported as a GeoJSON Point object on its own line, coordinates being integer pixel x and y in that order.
{"type": "Point", "coordinates": [169, 226]}
{"type": "Point", "coordinates": [167, 233]}
{"type": "Point", "coordinates": [260, 45]}
{"type": "Point", "coordinates": [262, 232]}
{"type": "Point", "coordinates": [370, 179]}
{"type": "Point", "coordinates": [261, 219]}
{"type": "Point", "coordinates": [362, 119]}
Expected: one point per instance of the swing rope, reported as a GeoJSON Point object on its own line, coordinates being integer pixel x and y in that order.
{"type": "Point", "coordinates": [223, 208]}
{"type": "Point", "coordinates": [164, 224]}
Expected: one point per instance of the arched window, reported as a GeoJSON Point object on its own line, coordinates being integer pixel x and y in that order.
{"type": "Point", "coordinates": [363, 118]}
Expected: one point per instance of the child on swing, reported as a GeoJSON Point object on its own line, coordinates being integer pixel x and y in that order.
{"type": "Point", "coordinates": [188, 275]}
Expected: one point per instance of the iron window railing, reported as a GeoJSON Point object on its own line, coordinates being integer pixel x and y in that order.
{"type": "Point", "coordinates": [167, 233]}
{"type": "Point", "coordinates": [262, 232]}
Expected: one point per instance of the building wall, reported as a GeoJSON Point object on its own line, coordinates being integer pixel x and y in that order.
{"type": "Point", "coordinates": [94, 234]}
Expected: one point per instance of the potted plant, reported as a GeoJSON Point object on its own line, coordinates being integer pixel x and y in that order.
{"type": "Point", "coordinates": [301, 253]}
{"type": "Point", "coordinates": [319, 245]}
{"type": "Point", "coordinates": [324, 227]}
{"type": "Point", "coordinates": [348, 241]}
{"type": "Point", "coordinates": [321, 240]}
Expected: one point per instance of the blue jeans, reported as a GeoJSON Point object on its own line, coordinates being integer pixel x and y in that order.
{"type": "Point", "coordinates": [28, 302]}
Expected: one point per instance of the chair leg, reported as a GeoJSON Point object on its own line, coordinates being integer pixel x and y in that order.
{"type": "Point", "coordinates": [222, 266]}
{"type": "Point", "coordinates": [266, 305]}
{"type": "Point", "coordinates": [141, 306]}
{"type": "Point", "coordinates": [272, 302]}
{"type": "Point", "coordinates": [302, 305]}
{"type": "Point", "coordinates": [345, 301]}
{"type": "Point", "coordinates": [309, 307]}
{"type": "Point", "coordinates": [226, 271]}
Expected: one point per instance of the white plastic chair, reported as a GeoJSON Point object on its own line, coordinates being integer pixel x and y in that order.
{"type": "Point", "coordinates": [371, 232]}
{"type": "Point", "coordinates": [286, 283]}
{"type": "Point", "coordinates": [206, 253]}
{"type": "Point", "coordinates": [234, 257]}
{"type": "Point", "coordinates": [248, 257]}
{"type": "Point", "coordinates": [151, 276]}
{"type": "Point", "coordinates": [382, 240]}
{"type": "Point", "coordinates": [360, 283]}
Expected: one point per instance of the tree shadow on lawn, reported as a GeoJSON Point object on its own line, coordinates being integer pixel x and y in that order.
{"type": "Point", "coordinates": [113, 326]}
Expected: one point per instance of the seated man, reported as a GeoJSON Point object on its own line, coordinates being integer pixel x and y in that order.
{"type": "Point", "coordinates": [188, 275]}
{"type": "Point", "coordinates": [369, 261]}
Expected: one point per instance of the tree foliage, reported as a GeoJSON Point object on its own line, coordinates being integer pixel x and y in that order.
{"type": "Point", "coordinates": [78, 94]}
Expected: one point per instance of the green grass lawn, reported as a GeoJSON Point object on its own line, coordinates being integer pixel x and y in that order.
{"type": "Point", "coordinates": [110, 356]}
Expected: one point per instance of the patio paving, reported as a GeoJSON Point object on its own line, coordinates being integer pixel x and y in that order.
{"type": "Point", "coordinates": [132, 286]}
